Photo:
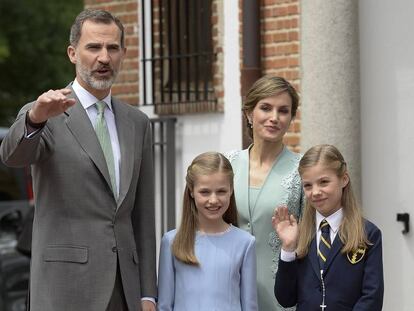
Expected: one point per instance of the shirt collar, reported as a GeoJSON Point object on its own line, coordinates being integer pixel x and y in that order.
{"type": "Point", "coordinates": [333, 220]}
{"type": "Point", "coordinates": [87, 99]}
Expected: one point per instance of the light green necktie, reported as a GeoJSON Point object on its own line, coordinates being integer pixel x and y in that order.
{"type": "Point", "coordinates": [102, 132]}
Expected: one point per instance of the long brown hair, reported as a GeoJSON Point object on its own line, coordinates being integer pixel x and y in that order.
{"type": "Point", "coordinates": [204, 164]}
{"type": "Point", "coordinates": [351, 231]}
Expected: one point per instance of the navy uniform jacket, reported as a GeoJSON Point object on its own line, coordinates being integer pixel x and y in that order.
{"type": "Point", "coordinates": [349, 286]}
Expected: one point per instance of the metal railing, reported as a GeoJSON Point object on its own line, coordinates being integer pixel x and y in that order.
{"type": "Point", "coordinates": [163, 131]}
{"type": "Point", "coordinates": [178, 56]}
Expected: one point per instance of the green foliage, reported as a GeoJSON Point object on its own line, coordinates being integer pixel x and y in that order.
{"type": "Point", "coordinates": [4, 48]}
{"type": "Point", "coordinates": [34, 35]}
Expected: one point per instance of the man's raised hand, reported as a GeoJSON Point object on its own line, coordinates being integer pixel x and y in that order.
{"type": "Point", "coordinates": [50, 104]}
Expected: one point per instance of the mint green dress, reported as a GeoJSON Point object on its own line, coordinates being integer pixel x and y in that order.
{"type": "Point", "coordinates": [256, 207]}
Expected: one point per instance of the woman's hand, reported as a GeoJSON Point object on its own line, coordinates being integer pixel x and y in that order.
{"type": "Point", "coordinates": [286, 227]}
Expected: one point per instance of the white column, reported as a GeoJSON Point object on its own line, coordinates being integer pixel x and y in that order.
{"type": "Point", "coordinates": [330, 111]}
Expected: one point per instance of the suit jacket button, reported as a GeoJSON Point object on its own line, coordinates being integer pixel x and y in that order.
{"type": "Point", "coordinates": [114, 249]}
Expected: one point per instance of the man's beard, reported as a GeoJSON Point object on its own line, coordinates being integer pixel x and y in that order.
{"type": "Point", "coordinates": [98, 84]}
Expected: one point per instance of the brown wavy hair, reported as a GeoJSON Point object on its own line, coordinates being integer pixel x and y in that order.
{"type": "Point", "coordinates": [268, 86]}
{"type": "Point", "coordinates": [204, 164]}
{"type": "Point", "coordinates": [352, 230]}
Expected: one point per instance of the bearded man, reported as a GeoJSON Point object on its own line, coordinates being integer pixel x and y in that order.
{"type": "Point", "coordinates": [93, 246]}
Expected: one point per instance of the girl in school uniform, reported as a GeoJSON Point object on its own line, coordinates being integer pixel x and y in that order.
{"type": "Point", "coordinates": [208, 263]}
{"type": "Point", "coordinates": [332, 259]}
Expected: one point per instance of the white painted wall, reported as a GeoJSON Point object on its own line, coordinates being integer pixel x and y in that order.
{"type": "Point", "coordinates": [214, 131]}
{"type": "Point", "coordinates": [197, 133]}
{"type": "Point", "coordinates": [387, 112]}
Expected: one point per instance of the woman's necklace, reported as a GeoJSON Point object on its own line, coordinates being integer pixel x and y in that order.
{"type": "Point", "coordinates": [251, 204]}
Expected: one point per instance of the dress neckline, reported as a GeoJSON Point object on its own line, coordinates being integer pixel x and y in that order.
{"type": "Point", "coordinates": [201, 233]}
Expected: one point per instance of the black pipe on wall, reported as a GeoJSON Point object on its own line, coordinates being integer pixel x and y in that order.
{"type": "Point", "coordinates": [251, 55]}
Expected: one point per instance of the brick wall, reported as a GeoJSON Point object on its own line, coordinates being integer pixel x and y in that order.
{"type": "Point", "coordinates": [280, 49]}
{"type": "Point", "coordinates": [218, 67]}
{"type": "Point", "coordinates": [126, 85]}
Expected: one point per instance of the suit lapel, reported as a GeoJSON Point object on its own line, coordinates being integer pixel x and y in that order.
{"type": "Point", "coordinates": [268, 190]}
{"type": "Point", "coordinates": [336, 247]}
{"type": "Point", "coordinates": [126, 136]}
{"type": "Point", "coordinates": [81, 127]}
{"type": "Point", "coordinates": [313, 257]}
{"type": "Point", "coordinates": [242, 168]}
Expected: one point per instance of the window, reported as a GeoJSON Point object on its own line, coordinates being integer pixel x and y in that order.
{"type": "Point", "coordinates": [180, 59]}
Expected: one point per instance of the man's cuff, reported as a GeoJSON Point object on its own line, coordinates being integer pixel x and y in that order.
{"type": "Point", "coordinates": [32, 128]}
{"type": "Point", "coordinates": [287, 256]}
{"type": "Point", "coordinates": [149, 299]}
{"type": "Point", "coordinates": [30, 132]}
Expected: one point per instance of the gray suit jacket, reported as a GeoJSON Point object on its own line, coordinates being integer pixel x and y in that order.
{"type": "Point", "coordinates": [80, 231]}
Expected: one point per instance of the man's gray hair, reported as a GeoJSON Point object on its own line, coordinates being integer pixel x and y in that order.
{"type": "Point", "coordinates": [97, 16]}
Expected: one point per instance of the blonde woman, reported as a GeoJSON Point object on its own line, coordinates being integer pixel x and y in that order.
{"type": "Point", "coordinates": [266, 176]}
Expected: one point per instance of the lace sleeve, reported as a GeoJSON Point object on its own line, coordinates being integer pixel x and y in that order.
{"type": "Point", "coordinates": [231, 155]}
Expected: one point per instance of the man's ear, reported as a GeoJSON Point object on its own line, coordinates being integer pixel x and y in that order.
{"type": "Point", "coordinates": [71, 54]}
